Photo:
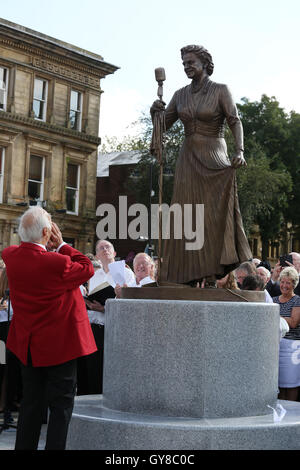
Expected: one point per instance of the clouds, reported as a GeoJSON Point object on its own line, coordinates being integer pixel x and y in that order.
{"type": "Point", "coordinates": [120, 107]}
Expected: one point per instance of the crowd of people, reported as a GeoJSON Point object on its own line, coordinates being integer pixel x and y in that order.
{"type": "Point", "coordinates": [54, 335]}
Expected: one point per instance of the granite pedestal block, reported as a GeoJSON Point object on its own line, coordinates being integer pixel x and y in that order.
{"type": "Point", "coordinates": [187, 375]}
{"type": "Point", "coordinates": [191, 359]}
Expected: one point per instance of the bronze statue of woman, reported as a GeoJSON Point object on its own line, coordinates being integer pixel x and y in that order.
{"type": "Point", "coordinates": [205, 175]}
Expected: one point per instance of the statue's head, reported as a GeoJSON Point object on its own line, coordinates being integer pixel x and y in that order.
{"type": "Point", "coordinates": [202, 54]}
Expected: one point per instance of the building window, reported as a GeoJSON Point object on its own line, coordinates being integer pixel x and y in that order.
{"type": "Point", "coordinates": [75, 110]}
{"type": "Point", "coordinates": [72, 189]}
{"type": "Point", "coordinates": [3, 88]}
{"type": "Point", "coordinates": [255, 247]}
{"type": "Point", "coordinates": [36, 178]}
{"type": "Point", "coordinates": [40, 92]}
{"type": "Point", "coordinates": [2, 155]}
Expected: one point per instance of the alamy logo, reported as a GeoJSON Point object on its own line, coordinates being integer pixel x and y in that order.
{"type": "Point", "coordinates": [188, 222]}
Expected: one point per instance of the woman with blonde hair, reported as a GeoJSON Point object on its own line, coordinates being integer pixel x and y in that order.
{"type": "Point", "coordinates": [289, 353]}
{"type": "Point", "coordinates": [228, 282]}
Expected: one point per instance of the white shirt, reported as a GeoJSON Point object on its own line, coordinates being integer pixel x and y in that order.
{"type": "Point", "coordinates": [284, 327]}
{"type": "Point", "coordinates": [43, 246]}
{"type": "Point", "coordinates": [4, 313]}
{"type": "Point", "coordinates": [98, 278]}
{"type": "Point", "coordinates": [146, 280]}
{"type": "Point", "coordinates": [268, 297]}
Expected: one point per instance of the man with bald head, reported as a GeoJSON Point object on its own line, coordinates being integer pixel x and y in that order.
{"type": "Point", "coordinates": [105, 253]}
{"type": "Point", "coordinates": [264, 273]}
{"type": "Point", "coordinates": [50, 328]}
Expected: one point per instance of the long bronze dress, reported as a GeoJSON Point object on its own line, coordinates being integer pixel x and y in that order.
{"type": "Point", "coordinates": [204, 176]}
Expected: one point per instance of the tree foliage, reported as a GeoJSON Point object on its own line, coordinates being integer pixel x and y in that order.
{"type": "Point", "coordinates": [268, 128]}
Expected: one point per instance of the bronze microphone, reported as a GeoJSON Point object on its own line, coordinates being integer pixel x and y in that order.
{"type": "Point", "coordinates": [160, 77]}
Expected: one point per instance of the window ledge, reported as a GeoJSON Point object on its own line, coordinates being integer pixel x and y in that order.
{"type": "Point", "coordinates": [33, 122]}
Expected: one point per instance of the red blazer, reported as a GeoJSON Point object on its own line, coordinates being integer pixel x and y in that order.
{"type": "Point", "coordinates": [49, 312]}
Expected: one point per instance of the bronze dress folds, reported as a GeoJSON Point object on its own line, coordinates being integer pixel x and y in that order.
{"type": "Point", "coordinates": [204, 176]}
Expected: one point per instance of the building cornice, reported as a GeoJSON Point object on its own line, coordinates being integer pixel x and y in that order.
{"type": "Point", "coordinates": [40, 45]}
{"type": "Point", "coordinates": [53, 128]}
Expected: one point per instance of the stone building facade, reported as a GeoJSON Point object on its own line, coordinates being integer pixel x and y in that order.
{"type": "Point", "coordinates": [49, 125]}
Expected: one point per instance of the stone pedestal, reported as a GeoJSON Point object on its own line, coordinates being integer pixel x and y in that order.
{"type": "Point", "coordinates": [191, 359]}
{"type": "Point", "coordinates": [184, 375]}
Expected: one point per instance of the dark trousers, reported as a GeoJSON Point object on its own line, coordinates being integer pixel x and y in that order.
{"type": "Point", "coordinates": [90, 368]}
{"type": "Point", "coordinates": [58, 385]}
{"type": "Point", "coordinates": [10, 374]}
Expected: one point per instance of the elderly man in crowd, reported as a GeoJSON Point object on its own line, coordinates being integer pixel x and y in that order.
{"type": "Point", "coordinates": [264, 273]}
{"type": "Point", "coordinates": [144, 270]}
{"type": "Point", "coordinates": [245, 269]}
{"type": "Point", "coordinates": [273, 284]}
{"type": "Point", "coordinates": [106, 254]}
{"type": "Point", "coordinates": [50, 328]}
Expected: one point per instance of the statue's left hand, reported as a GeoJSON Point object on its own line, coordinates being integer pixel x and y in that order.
{"type": "Point", "coordinates": [238, 160]}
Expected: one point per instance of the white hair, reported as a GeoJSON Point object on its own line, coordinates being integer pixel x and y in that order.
{"type": "Point", "coordinates": [291, 273]}
{"type": "Point", "coordinates": [32, 223]}
{"type": "Point", "coordinates": [264, 270]}
{"type": "Point", "coordinates": [256, 261]}
{"type": "Point", "coordinates": [145, 256]}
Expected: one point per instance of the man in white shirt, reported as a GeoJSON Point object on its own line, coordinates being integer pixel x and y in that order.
{"type": "Point", "coordinates": [106, 254]}
{"type": "Point", "coordinates": [264, 273]}
{"type": "Point", "coordinates": [144, 270]}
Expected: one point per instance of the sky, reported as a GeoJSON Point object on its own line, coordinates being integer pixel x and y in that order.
{"type": "Point", "coordinates": [254, 44]}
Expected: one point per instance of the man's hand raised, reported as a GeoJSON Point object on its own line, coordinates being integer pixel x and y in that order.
{"type": "Point", "coordinates": [56, 237]}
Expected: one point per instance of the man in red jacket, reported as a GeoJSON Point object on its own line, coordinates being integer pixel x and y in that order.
{"type": "Point", "coordinates": [50, 328]}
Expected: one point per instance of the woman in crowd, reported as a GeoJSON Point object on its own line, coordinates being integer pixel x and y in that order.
{"type": "Point", "coordinates": [289, 354]}
{"type": "Point", "coordinates": [228, 282]}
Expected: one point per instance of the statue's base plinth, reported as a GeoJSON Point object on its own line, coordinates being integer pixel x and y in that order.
{"type": "Point", "coordinates": [186, 374]}
{"type": "Point", "coordinates": [180, 292]}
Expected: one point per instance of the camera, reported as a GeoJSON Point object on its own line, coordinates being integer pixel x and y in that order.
{"type": "Point", "coordinates": [284, 258]}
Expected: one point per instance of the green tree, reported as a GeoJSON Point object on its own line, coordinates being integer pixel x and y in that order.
{"type": "Point", "coordinates": [267, 123]}
{"type": "Point", "coordinates": [277, 133]}
{"type": "Point", "coordinates": [291, 158]}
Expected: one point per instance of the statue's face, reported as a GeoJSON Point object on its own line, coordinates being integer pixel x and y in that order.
{"type": "Point", "coordinates": [193, 66]}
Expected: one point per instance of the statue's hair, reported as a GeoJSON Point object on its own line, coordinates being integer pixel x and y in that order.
{"type": "Point", "coordinates": [203, 55]}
